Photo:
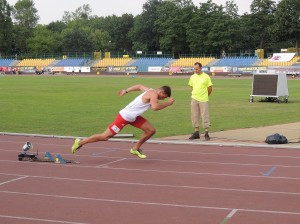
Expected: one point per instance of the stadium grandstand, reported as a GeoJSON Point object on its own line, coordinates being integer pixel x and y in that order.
{"type": "Point", "coordinates": [38, 63]}
{"type": "Point", "coordinates": [236, 61]}
{"type": "Point", "coordinates": [143, 64]}
{"type": "Point", "coordinates": [72, 62]}
{"type": "Point", "coordinates": [112, 62]}
{"type": "Point", "coordinates": [188, 61]}
{"type": "Point", "coordinates": [6, 62]}
{"type": "Point", "coordinates": [268, 63]}
{"type": "Point", "coordinates": [288, 62]}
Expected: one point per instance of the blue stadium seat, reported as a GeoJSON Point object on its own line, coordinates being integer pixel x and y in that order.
{"type": "Point", "coordinates": [6, 62]}
{"type": "Point", "coordinates": [143, 63]}
{"type": "Point", "coordinates": [71, 62]}
{"type": "Point", "coordinates": [237, 61]}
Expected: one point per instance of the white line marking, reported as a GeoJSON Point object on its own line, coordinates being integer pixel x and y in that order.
{"type": "Point", "coordinates": [151, 203]}
{"type": "Point", "coordinates": [229, 216]}
{"type": "Point", "coordinates": [196, 173]}
{"type": "Point", "coordinates": [158, 171]}
{"type": "Point", "coordinates": [200, 153]}
{"type": "Point", "coordinates": [6, 182]}
{"type": "Point", "coordinates": [190, 161]}
{"type": "Point", "coordinates": [111, 162]}
{"type": "Point", "coordinates": [171, 151]}
{"type": "Point", "coordinates": [231, 213]}
{"type": "Point", "coordinates": [96, 154]}
{"type": "Point", "coordinates": [226, 154]}
{"type": "Point", "coordinates": [158, 141]}
{"type": "Point", "coordinates": [163, 185]}
{"type": "Point", "coordinates": [218, 163]}
{"type": "Point", "coordinates": [43, 220]}
{"type": "Point", "coordinates": [201, 162]}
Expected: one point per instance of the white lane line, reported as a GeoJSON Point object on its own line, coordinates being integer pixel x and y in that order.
{"type": "Point", "coordinates": [150, 203]}
{"type": "Point", "coordinates": [6, 182]}
{"type": "Point", "coordinates": [162, 185]}
{"type": "Point", "coordinates": [179, 152]}
{"type": "Point", "coordinates": [232, 213]}
{"type": "Point", "coordinates": [96, 154]}
{"type": "Point", "coordinates": [199, 173]}
{"type": "Point", "coordinates": [229, 216]}
{"type": "Point", "coordinates": [191, 161]}
{"type": "Point", "coordinates": [159, 171]}
{"type": "Point", "coordinates": [42, 220]}
{"type": "Point", "coordinates": [204, 162]}
{"type": "Point", "coordinates": [158, 141]}
{"type": "Point", "coordinates": [106, 164]}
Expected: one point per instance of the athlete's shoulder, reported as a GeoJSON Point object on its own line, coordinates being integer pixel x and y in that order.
{"type": "Point", "coordinates": [152, 91]}
{"type": "Point", "coordinates": [143, 88]}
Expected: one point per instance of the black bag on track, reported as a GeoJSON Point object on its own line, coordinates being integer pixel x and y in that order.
{"type": "Point", "coordinates": [276, 139]}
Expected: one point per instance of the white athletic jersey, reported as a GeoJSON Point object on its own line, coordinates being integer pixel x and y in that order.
{"type": "Point", "coordinates": [136, 108]}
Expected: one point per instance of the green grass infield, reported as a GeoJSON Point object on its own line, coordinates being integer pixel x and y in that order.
{"type": "Point", "coordinates": [82, 106]}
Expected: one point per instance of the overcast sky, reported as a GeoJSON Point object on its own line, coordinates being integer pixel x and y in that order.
{"type": "Point", "coordinates": [53, 10]}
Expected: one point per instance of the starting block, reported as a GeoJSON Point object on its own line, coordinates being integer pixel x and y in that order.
{"type": "Point", "coordinates": [59, 159]}
{"type": "Point", "coordinates": [48, 157]}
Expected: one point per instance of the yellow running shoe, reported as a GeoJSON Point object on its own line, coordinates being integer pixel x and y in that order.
{"type": "Point", "coordinates": [137, 153]}
{"type": "Point", "coordinates": [76, 145]}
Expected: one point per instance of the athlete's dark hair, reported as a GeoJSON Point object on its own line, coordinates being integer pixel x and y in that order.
{"type": "Point", "coordinates": [167, 90]}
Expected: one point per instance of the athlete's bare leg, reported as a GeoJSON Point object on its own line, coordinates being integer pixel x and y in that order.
{"type": "Point", "coordinates": [97, 137]}
{"type": "Point", "coordinates": [149, 131]}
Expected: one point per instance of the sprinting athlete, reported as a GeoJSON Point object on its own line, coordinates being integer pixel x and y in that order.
{"type": "Point", "coordinates": [131, 114]}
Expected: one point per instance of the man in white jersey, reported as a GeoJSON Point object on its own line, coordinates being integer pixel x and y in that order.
{"type": "Point", "coordinates": [131, 114]}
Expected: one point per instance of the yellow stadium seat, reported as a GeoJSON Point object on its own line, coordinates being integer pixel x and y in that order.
{"type": "Point", "coordinates": [112, 62]}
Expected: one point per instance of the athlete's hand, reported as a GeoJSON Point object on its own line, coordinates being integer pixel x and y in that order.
{"type": "Point", "coordinates": [171, 100]}
{"type": "Point", "coordinates": [122, 92]}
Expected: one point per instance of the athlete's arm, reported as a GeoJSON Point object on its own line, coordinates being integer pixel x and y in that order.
{"type": "Point", "coordinates": [133, 88]}
{"type": "Point", "coordinates": [155, 105]}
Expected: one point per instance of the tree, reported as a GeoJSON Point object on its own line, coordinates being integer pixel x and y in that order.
{"type": "Point", "coordinates": [231, 9]}
{"type": "Point", "coordinates": [5, 28]}
{"type": "Point", "coordinates": [101, 40]}
{"type": "Point", "coordinates": [168, 25]}
{"type": "Point", "coordinates": [248, 39]}
{"type": "Point", "coordinates": [82, 12]}
{"type": "Point", "coordinates": [262, 19]}
{"type": "Point", "coordinates": [25, 14]}
{"type": "Point", "coordinates": [25, 18]}
{"type": "Point", "coordinates": [118, 29]}
{"type": "Point", "coordinates": [137, 41]}
{"type": "Point", "coordinates": [171, 24]}
{"type": "Point", "coordinates": [44, 41]}
{"type": "Point", "coordinates": [77, 39]}
{"type": "Point", "coordinates": [224, 35]}
{"type": "Point", "coordinates": [200, 25]}
{"type": "Point", "coordinates": [57, 26]}
{"type": "Point", "coordinates": [144, 34]}
{"type": "Point", "coordinates": [287, 18]}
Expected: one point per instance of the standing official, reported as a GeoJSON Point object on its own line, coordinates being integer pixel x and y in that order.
{"type": "Point", "coordinates": [201, 85]}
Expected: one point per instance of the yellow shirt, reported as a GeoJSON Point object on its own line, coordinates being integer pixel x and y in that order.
{"type": "Point", "coordinates": [200, 83]}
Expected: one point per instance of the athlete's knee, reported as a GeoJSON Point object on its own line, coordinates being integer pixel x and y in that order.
{"type": "Point", "coordinates": [151, 131]}
{"type": "Point", "coordinates": [105, 138]}
{"type": "Point", "coordinates": [108, 136]}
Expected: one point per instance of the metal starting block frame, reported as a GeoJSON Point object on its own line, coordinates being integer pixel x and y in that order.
{"type": "Point", "coordinates": [48, 157]}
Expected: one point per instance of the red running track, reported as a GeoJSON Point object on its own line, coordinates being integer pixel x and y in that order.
{"type": "Point", "coordinates": [175, 184]}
